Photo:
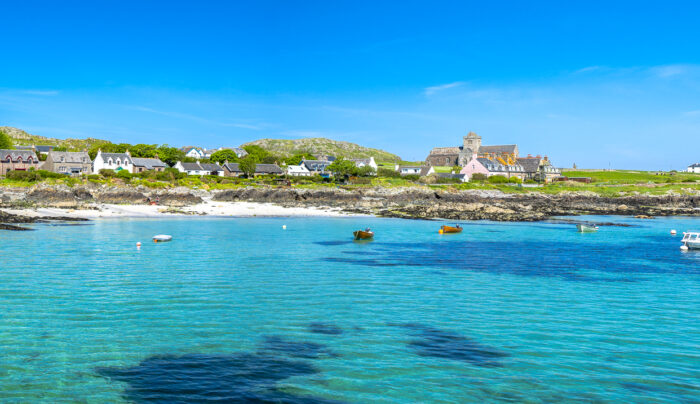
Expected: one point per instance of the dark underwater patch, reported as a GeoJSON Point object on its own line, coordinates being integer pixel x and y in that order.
{"type": "Point", "coordinates": [296, 349]}
{"type": "Point", "coordinates": [445, 344]}
{"type": "Point", "coordinates": [325, 328]}
{"type": "Point", "coordinates": [195, 378]}
{"type": "Point", "coordinates": [333, 242]}
{"type": "Point", "coordinates": [572, 261]}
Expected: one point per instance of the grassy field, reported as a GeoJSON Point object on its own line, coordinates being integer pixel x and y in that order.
{"type": "Point", "coordinates": [634, 177]}
{"type": "Point", "coordinates": [607, 183]}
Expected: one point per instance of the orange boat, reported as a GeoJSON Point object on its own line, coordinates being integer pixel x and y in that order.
{"type": "Point", "coordinates": [363, 234]}
{"type": "Point", "coordinates": [450, 229]}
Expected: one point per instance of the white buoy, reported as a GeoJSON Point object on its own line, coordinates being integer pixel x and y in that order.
{"type": "Point", "coordinates": [684, 248]}
{"type": "Point", "coordinates": [284, 227]}
{"type": "Point", "coordinates": [673, 232]}
{"type": "Point", "coordinates": [138, 245]}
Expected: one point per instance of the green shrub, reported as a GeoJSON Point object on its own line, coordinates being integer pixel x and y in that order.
{"type": "Point", "coordinates": [49, 174]}
{"type": "Point", "coordinates": [94, 177]}
{"type": "Point", "coordinates": [479, 177]}
{"type": "Point", "coordinates": [107, 173]}
{"type": "Point", "coordinates": [124, 175]}
{"type": "Point", "coordinates": [23, 175]}
{"type": "Point", "coordinates": [388, 173]}
{"type": "Point", "coordinates": [515, 180]}
{"type": "Point", "coordinates": [498, 179]}
{"type": "Point", "coordinates": [530, 181]}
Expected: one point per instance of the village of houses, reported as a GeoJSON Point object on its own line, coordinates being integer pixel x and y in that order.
{"type": "Point", "coordinates": [471, 158]}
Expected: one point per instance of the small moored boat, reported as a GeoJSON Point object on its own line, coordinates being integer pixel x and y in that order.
{"type": "Point", "coordinates": [366, 234]}
{"type": "Point", "coordinates": [450, 229]}
{"type": "Point", "coordinates": [586, 228]}
{"type": "Point", "coordinates": [691, 240]}
{"type": "Point", "coordinates": [161, 238]}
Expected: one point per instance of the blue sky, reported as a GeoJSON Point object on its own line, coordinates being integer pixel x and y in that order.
{"type": "Point", "coordinates": [589, 83]}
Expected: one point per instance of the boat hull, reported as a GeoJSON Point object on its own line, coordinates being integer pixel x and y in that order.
{"type": "Point", "coordinates": [693, 245]}
{"type": "Point", "coordinates": [582, 228]}
{"type": "Point", "coordinates": [363, 235]}
{"type": "Point", "coordinates": [450, 229]}
{"type": "Point", "coordinates": [162, 238]}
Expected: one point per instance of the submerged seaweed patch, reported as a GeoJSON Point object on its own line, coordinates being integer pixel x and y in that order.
{"type": "Point", "coordinates": [296, 349]}
{"type": "Point", "coordinates": [445, 344]}
{"type": "Point", "coordinates": [325, 328]}
{"type": "Point", "coordinates": [238, 377]}
{"type": "Point", "coordinates": [568, 261]}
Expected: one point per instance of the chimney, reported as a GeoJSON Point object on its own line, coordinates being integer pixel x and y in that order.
{"type": "Point", "coordinates": [529, 155]}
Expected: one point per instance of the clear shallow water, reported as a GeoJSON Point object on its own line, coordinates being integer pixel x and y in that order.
{"type": "Point", "coordinates": [242, 310]}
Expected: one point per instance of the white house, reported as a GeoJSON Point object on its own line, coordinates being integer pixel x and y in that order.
{"type": "Point", "coordinates": [112, 161]}
{"type": "Point", "coordinates": [298, 171]}
{"type": "Point", "coordinates": [194, 152]}
{"type": "Point", "coordinates": [199, 168]}
{"type": "Point", "coordinates": [694, 168]}
{"type": "Point", "coordinates": [359, 163]}
{"type": "Point", "coordinates": [415, 170]}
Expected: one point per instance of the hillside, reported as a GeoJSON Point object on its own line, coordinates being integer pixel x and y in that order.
{"type": "Point", "coordinates": [322, 146]}
{"type": "Point", "coordinates": [22, 138]}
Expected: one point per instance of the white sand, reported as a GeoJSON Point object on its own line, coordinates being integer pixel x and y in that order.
{"type": "Point", "coordinates": [208, 207]}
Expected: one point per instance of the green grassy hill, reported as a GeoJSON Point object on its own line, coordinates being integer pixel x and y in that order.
{"type": "Point", "coordinates": [22, 138]}
{"type": "Point", "coordinates": [318, 146]}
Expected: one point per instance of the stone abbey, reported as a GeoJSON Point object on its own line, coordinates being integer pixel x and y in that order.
{"type": "Point", "coordinates": [460, 155]}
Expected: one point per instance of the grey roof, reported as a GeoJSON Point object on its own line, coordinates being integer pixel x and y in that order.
{"type": "Point", "coordinates": [445, 150]}
{"type": "Point", "coordinates": [44, 149]}
{"type": "Point", "coordinates": [210, 167]}
{"type": "Point", "coordinates": [268, 169]}
{"type": "Point", "coordinates": [424, 171]}
{"type": "Point", "coordinates": [149, 163]}
{"type": "Point", "coordinates": [15, 154]}
{"type": "Point", "coordinates": [233, 167]}
{"type": "Point", "coordinates": [696, 165]}
{"type": "Point", "coordinates": [450, 175]}
{"type": "Point", "coordinates": [201, 167]}
{"type": "Point", "coordinates": [495, 166]}
{"type": "Point", "coordinates": [259, 168]}
{"type": "Point", "coordinates": [69, 157]}
{"type": "Point", "coordinates": [530, 165]}
{"type": "Point", "coordinates": [366, 161]}
{"type": "Point", "coordinates": [317, 165]}
{"type": "Point", "coordinates": [191, 167]}
{"type": "Point", "coordinates": [114, 156]}
{"type": "Point", "coordinates": [506, 148]}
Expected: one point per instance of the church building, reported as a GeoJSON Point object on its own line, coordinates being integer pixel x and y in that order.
{"type": "Point", "coordinates": [471, 145]}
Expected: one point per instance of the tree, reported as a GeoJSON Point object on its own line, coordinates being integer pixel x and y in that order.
{"type": "Point", "coordinates": [256, 151]}
{"type": "Point", "coordinates": [342, 167]}
{"type": "Point", "coordinates": [222, 156]}
{"type": "Point", "coordinates": [365, 171]}
{"type": "Point", "coordinates": [296, 159]}
{"type": "Point", "coordinates": [143, 150]}
{"type": "Point", "coordinates": [5, 141]}
{"type": "Point", "coordinates": [170, 155]}
{"type": "Point", "coordinates": [248, 165]}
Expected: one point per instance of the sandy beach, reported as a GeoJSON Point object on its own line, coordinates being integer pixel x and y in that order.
{"type": "Point", "coordinates": [206, 208]}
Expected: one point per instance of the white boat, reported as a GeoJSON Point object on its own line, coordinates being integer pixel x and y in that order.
{"type": "Point", "coordinates": [586, 228]}
{"type": "Point", "coordinates": [160, 238]}
{"type": "Point", "coordinates": [691, 240]}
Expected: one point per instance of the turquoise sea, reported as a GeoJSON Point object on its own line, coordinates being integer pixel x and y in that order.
{"type": "Point", "coordinates": [241, 310]}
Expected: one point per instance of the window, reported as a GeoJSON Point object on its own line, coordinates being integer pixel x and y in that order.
{"type": "Point", "coordinates": [110, 162]}
{"type": "Point", "coordinates": [63, 159]}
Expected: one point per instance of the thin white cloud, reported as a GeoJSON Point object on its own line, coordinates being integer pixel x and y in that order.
{"type": "Point", "coordinates": [692, 113]}
{"type": "Point", "coordinates": [587, 69]}
{"type": "Point", "coordinates": [195, 118]}
{"type": "Point", "coordinates": [436, 89]}
{"type": "Point", "coordinates": [44, 93]}
{"type": "Point", "coordinates": [669, 70]}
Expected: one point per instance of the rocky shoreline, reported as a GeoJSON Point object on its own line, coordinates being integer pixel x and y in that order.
{"type": "Point", "coordinates": [407, 203]}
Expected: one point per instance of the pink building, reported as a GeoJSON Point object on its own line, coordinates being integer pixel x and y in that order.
{"type": "Point", "coordinates": [472, 167]}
